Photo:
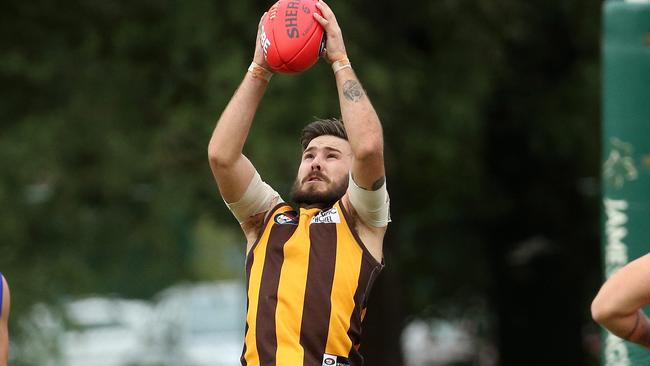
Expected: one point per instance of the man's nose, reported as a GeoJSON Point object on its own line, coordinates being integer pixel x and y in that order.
{"type": "Point", "coordinates": [315, 164]}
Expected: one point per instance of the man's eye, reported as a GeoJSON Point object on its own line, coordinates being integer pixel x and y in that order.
{"type": "Point", "coordinates": [332, 156]}
{"type": "Point", "coordinates": [308, 156]}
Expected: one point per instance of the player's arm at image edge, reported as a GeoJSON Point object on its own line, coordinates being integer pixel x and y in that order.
{"type": "Point", "coordinates": [4, 320]}
{"type": "Point", "coordinates": [618, 304]}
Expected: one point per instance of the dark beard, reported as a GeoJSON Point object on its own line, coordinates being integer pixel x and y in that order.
{"type": "Point", "coordinates": [324, 199]}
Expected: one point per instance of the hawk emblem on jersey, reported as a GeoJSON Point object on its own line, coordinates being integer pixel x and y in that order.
{"type": "Point", "coordinates": [284, 219]}
{"type": "Point", "coordinates": [330, 216]}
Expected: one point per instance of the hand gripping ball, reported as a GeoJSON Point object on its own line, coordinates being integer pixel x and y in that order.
{"type": "Point", "coordinates": [291, 38]}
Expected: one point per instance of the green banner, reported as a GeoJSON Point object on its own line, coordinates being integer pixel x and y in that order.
{"type": "Point", "coordinates": [626, 152]}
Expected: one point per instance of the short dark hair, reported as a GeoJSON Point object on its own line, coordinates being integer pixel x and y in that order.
{"type": "Point", "coordinates": [322, 127]}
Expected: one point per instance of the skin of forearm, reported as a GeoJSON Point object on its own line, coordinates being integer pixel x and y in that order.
{"type": "Point", "coordinates": [624, 326]}
{"type": "Point", "coordinates": [232, 129]}
{"type": "Point", "coordinates": [640, 332]}
{"type": "Point", "coordinates": [617, 306]}
{"type": "Point", "coordinates": [361, 121]}
{"type": "Point", "coordinates": [633, 327]}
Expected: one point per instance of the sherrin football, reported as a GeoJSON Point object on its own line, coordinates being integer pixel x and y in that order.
{"type": "Point", "coordinates": [291, 38]}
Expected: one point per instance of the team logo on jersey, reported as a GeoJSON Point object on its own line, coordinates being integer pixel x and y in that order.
{"type": "Point", "coordinates": [332, 360]}
{"type": "Point", "coordinates": [330, 216]}
{"type": "Point", "coordinates": [284, 219]}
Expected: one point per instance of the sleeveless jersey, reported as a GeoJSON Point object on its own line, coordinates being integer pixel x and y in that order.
{"type": "Point", "coordinates": [308, 280]}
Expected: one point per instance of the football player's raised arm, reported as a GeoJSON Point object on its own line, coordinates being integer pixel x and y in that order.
{"type": "Point", "coordinates": [232, 171]}
{"type": "Point", "coordinates": [359, 116]}
{"type": "Point", "coordinates": [617, 306]}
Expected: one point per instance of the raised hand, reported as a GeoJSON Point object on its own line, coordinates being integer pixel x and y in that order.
{"type": "Point", "coordinates": [335, 49]}
{"type": "Point", "coordinates": [258, 58]}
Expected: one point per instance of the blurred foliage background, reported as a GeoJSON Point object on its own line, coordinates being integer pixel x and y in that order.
{"type": "Point", "coordinates": [492, 129]}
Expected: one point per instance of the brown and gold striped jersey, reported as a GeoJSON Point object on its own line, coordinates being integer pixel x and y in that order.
{"type": "Point", "coordinates": [309, 277]}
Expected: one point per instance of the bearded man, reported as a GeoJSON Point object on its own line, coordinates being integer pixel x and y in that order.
{"type": "Point", "coordinates": [309, 268]}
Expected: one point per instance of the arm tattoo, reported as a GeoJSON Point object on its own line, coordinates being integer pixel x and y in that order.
{"type": "Point", "coordinates": [353, 91]}
{"type": "Point", "coordinates": [378, 183]}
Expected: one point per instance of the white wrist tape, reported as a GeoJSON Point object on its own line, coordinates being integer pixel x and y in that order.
{"type": "Point", "coordinates": [259, 197]}
{"type": "Point", "coordinates": [373, 207]}
{"type": "Point", "coordinates": [341, 64]}
{"type": "Point", "coordinates": [258, 72]}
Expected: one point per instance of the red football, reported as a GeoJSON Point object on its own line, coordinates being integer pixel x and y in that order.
{"type": "Point", "coordinates": [291, 38]}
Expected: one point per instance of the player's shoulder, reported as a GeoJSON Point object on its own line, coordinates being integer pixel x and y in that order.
{"type": "Point", "coordinates": [349, 210]}
{"type": "Point", "coordinates": [254, 225]}
{"type": "Point", "coordinates": [355, 219]}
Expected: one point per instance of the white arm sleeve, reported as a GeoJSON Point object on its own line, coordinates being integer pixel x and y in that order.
{"type": "Point", "coordinates": [373, 207]}
{"type": "Point", "coordinates": [258, 198]}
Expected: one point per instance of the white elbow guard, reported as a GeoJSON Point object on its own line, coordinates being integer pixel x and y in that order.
{"type": "Point", "coordinates": [259, 197]}
{"type": "Point", "coordinates": [373, 207]}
